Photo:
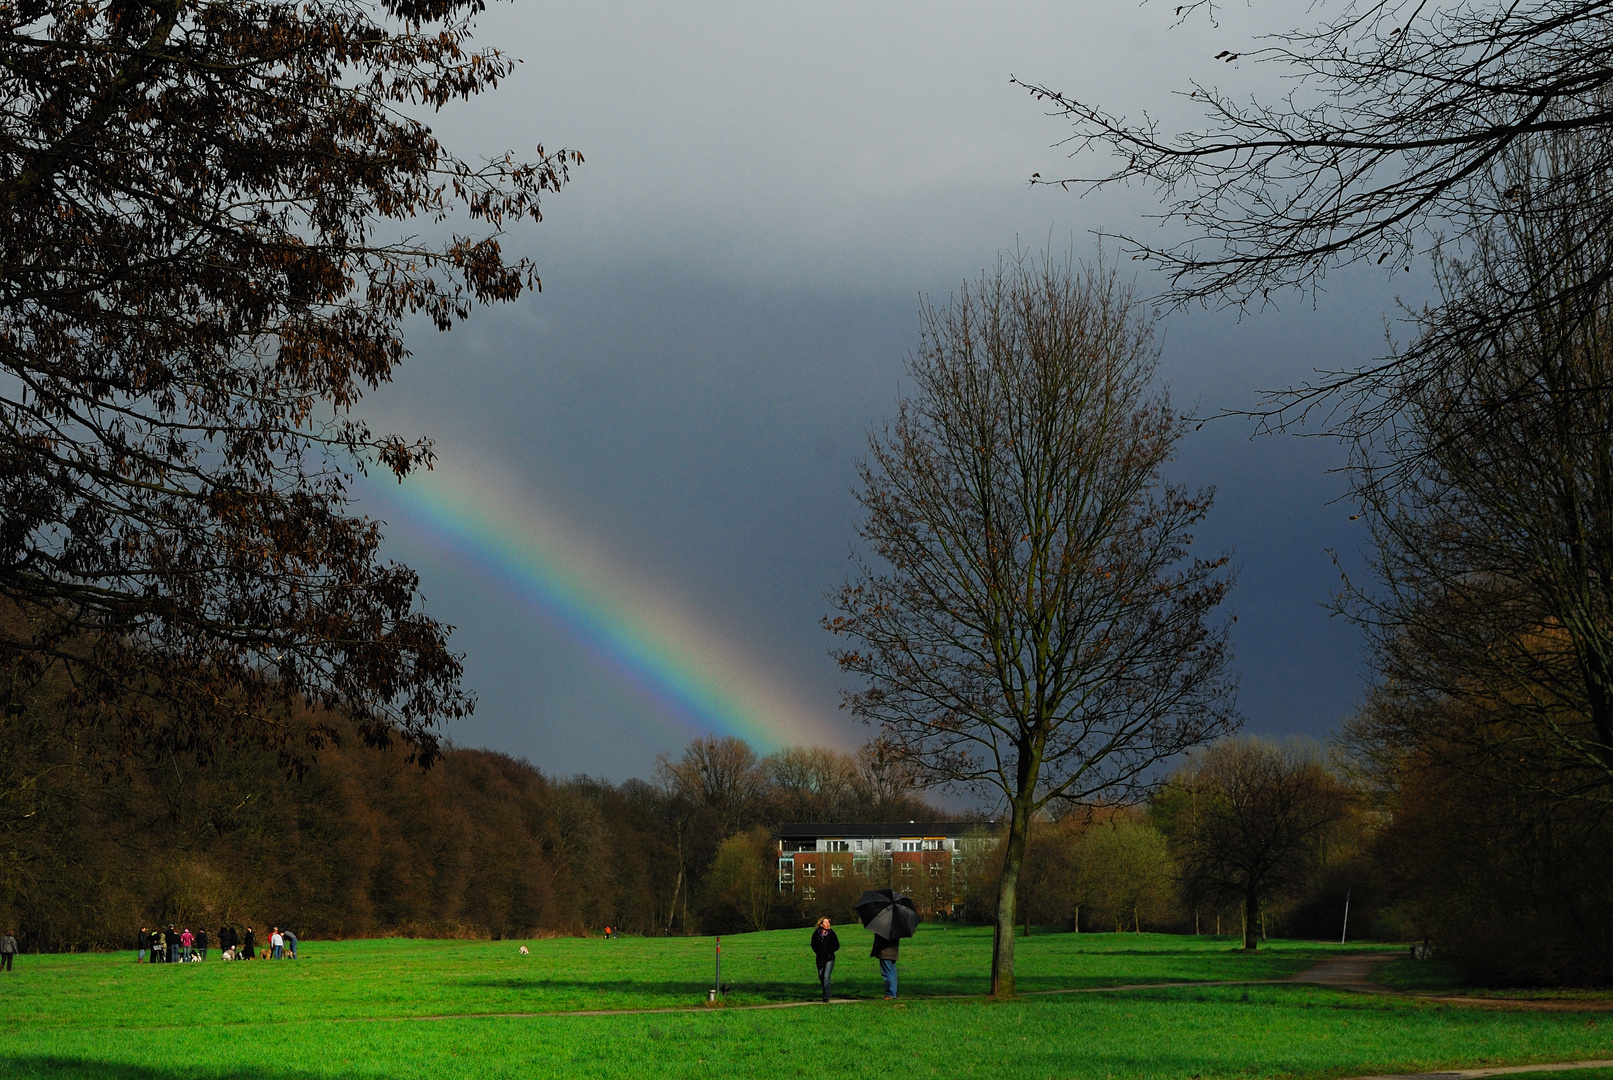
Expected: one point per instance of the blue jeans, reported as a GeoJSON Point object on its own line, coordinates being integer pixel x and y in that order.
{"type": "Point", "coordinates": [825, 972]}
{"type": "Point", "coordinates": [279, 952]}
{"type": "Point", "coordinates": [887, 970]}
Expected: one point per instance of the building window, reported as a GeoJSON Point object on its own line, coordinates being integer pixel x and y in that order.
{"type": "Point", "coordinates": [935, 869]}
{"type": "Point", "coordinates": [837, 870]}
{"type": "Point", "coordinates": [887, 845]}
{"type": "Point", "coordinates": [809, 869]}
{"type": "Point", "coordinates": [836, 845]}
{"type": "Point", "coordinates": [907, 868]}
{"type": "Point", "coordinates": [809, 893]}
{"type": "Point", "coordinates": [910, 845]}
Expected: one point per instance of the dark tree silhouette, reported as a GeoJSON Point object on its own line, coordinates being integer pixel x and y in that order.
{"type": "Point", "coordinates": [1389, 143]}
{"type": "Point", "coordinates": [205, 259]}
{"type": "Point", "coordinates": [1253, 823]}
{"type": "Point", "coordinates": [1398, 111]}
{"type": "Point", "coordinates": [1033, 627]}
{"type": "Point", "coordinates": [1490, 501]}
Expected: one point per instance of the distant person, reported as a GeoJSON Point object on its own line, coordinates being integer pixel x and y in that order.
{"type": "Point", "coordinates": [227, 937]}
{"type": "Point", "coordinates": [173, 945]}
{"type": "Point", "coordinates": [248, 943]}
{"type": "Point", "coordinates": [291, 943]}
{"type": "Point", "coordinates": [187, 942]}
{"type": "Point", "coordinates": [8, 949]}
{"type": "Point", "coordinates": [277, 944]}
{"type": "Point", "coordinates": [142, 945]}
{"type": "Point", "coordinates": [157, 946]}
{"type": "Point", "coordinates": [885, 951]}
{"type": "Point", "coordinates": [201, 943]}
{"type": "Point", "coordinates": [825, 943]}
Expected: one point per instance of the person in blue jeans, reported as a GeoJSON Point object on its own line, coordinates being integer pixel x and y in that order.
{"type": "Point", "coordinates": [885, 951]}
{"type": "Point", "coordinates": [824, 946]}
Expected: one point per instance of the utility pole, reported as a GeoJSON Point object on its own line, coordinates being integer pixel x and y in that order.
{"type": "Point", "coordinates": [1346, 929]}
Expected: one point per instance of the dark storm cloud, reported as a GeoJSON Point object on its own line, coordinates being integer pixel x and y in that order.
{"type": "Point", "coordinates": [730, 287]}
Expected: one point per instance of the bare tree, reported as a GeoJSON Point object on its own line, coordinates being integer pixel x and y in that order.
{"type": "Point", "coordinates": [719, 773]}
{"type": "Point", "coordinates": [1261, 812]}
{"type": "Point", "coordinates": [1490, 499]}
{"type": "Point", "coordinates": [1390, 142]}
{"type": "Point", "coordinates": [889, 779]}
{"type": "Point", "coordinates": [1398, 109]}
{"type": "Point", "coordinates": [1029, 623]}
{"type": "Point", "coordinates": [813, 783]}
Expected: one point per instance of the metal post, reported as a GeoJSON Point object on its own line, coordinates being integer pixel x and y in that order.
{"type": "Point", "coordinates": [1346, 929]}
{"type": "Point", "coordinates": [718, 984]}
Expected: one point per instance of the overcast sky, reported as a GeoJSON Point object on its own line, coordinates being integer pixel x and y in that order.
{"type": "Point", "coordinates": [730, 285]}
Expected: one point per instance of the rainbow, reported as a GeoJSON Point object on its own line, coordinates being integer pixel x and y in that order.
{"type": "Point", "coordinates": [661, 646]}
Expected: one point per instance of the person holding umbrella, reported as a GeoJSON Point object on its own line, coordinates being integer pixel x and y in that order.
{"type": "Point", "coordinates": [825, 943]}
{"type": "Point", "coordinates": [891, 916]}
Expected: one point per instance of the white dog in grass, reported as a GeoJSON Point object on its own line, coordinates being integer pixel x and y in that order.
{"type": "Point", "coordinates": [523, 951]}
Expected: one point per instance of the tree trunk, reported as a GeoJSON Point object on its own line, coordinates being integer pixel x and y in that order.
{"type": "Point", "coordinates": [1251, 920]}
{"type": "Point", "coordinates": [1002, 953]}
{"type": "Point", "coordinates": [672, 908]}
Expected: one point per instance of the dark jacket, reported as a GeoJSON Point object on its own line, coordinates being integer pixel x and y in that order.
{"type": "Point", "coordinates": [824, 946]}
{"type": "Point", "coordinates": [885, 948]}
{"type": "Point", "coordinates": [249, 942]}
{"type": "Point", "coordinates": [201, 940]}
{"type": "Point", "coordinates": [142, 940]}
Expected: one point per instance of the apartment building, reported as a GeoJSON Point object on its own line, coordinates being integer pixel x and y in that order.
{"type": "Point", "coordinates": [921, 859]}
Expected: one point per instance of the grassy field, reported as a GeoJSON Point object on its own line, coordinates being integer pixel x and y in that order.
{"type": "Point", "coordinates": [429, 1009]}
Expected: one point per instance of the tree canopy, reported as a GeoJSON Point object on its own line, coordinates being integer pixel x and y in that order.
{"type": "Point", "coordinates": [210, 245]}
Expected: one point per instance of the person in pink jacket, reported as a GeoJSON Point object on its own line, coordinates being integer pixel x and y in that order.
{"type": "Point", "coordinates": [186, 940]}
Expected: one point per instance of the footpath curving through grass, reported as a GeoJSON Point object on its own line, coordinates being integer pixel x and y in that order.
{"type": "Point", "coordinates": [348, 1010]}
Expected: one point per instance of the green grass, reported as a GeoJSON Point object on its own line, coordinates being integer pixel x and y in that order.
{"type": "Point", "coordinates": [1420, 976]}
{"type": "Point", "coordinates": [1442, 977]}
{"type": "Point", "coordinates": [354, 1010]}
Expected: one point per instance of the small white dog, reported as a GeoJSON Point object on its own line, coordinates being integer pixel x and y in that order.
{"type": "Point", "coordinates": [523, 951]}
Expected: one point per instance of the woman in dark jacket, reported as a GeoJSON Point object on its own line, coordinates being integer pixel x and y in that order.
{"type": "Point", "coordinates": [824, 946]}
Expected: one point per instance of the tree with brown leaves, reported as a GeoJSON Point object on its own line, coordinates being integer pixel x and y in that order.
{"type": "Point", "coordinates": [207, 254]}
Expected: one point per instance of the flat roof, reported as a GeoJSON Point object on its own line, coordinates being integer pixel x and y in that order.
{"type": "Point", "coordinates": [882, 830]}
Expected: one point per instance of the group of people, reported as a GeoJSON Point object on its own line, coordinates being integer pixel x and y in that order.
{"type": "Point", "coordinates": [170, 946]}
{"type": "Point", "coordinates": [825, 943]}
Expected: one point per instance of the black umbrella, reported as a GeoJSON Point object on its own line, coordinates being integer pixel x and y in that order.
{"type": "Point", "coordinates": [888, 913]}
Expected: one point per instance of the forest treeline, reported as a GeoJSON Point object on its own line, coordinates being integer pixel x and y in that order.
{"type": "Point", "coordinates": [366, 843]}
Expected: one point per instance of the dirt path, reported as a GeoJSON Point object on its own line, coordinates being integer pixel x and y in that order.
{"type": "Point", "coordinates": [1503, 1070]}
{"type": "Point", "coordinates": [1354, 973]}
